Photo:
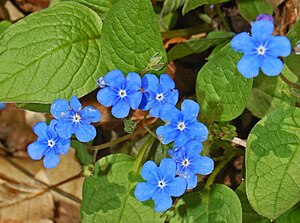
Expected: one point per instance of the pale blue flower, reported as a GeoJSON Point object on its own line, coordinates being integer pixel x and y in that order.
{"type": "Point", "coordinates": [261, 50]}
{"type": "Point", "coordinates": [161, 184]}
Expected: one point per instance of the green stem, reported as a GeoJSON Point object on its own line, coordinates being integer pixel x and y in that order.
{"type": "Point", "coordinates": [187, 32]}
{"type": "Point", "coordinates": [228, 156]}
{"type": "Point", "coordinates": [221, 16]}
{"type": "Point", "coordinates": [140, 155]}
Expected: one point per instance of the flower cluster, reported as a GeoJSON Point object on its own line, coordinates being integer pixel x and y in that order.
{"type": "Point", "coordinates": [159, 96]}
{"type": "Point", "coordinates": [54, 139]}
{"type": "Point", "coordinates": [261, 50]}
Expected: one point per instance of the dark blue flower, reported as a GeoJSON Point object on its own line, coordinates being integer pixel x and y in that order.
{"type": "Point", "coordinates": [181, 126]}
{"type": "Point", "coordinates": [121, 93]}
{"type": "Point", "coordinates": [48, 144]}
{"type": "Point", "coordinates": [2, 105]}
{"type": "Point", "coordinates": [265, 17]}
{"type": "Point", "coordinates": [75, 119]}
{"type": "Point", "coordinates": [189, 162]}
{"type": "Point", "coordinates": [161, 184]}
{"type": "Point", "coordinates": [158, 93]}
{"type": "Point", "coordinates": [261, 50]}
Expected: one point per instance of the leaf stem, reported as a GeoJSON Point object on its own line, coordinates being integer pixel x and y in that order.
{"type": "Point", "coordinates": [222, 18]}
{"type": "Point", "coordinates": [140, 155]}
{"type": "Point", "coordinates": [117, 141]}
{"type": "Point", "coordinates": [228, 156]}
{"type": "Point", "coordinates": [287, 81]}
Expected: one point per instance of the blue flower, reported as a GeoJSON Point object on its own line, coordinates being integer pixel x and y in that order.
{"type": "Point", "coordinates": [48, 144]}
{"type": "Point", "coordinates": [75, 119]}
{"type": "Point", "coordinates": [121, 93]}
{"type": "Point", "coordinates": [161, 184]}
{"type": "Point", "coordinates": [2, 105]}
{"type": "Point", "coordinates": [158, 93]}
{"type": "Point", "coordinates": [189, 162]}
{"type": "Point", "coordinates": [181, 125]}
{"type": "Point", "coordinates": [261, 50]}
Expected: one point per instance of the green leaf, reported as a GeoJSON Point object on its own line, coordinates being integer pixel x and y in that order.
{"type": "Point", "coordinates": [193, 4]}
{"type": "Point", "coordinates": [34, 107]}
{"type": "Point", "coordinates": [102, 7]}
{"type": "Point", "coordinates": [250, 216]}
{"type": "Point", "coordinates": [272, 163]}
{"type": "Point", "coordinates": [198, 45]}
{"type": "Point", "coordinates": [292, 61]}
{"type": "Point", "coordinates": [222, 91]}
{"type": "Point", "coordinates": [108, 195]}
{"type": "Point", "coordinates": [269, 93]}
{"type": "Point", "coordinates": [130, 37]}
{"type": "Point", "coordinates": [82, 153]}
{"type": "Point", "coordinates": [50, 54]}
{"type": "Point", "coordinates": [171, 6]}
{"type": "Point", "coordinates": [220, 204]}
{"type": "Point", "coordinates": [4, 25]}
{"type": "Point", "coordinates": [250, 9]}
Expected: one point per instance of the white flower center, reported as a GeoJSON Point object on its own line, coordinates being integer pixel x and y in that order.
{"type": "Point", "coordinates": [159, 97]}
{"type": "Point", "coordinates": [161, 184]}
{"type": "Point", "coordinates": [51, 143]}
{"type": "Point", "coordinates": [181, 126]}
{"type": "Point", "coordinates": [76, 118]}
{"type": "Point", "coordinates": [185, 162]}
{"type": "Point", "coordinates": [122, 93]}
{"type": "Point", "coordinates": [261, 50]}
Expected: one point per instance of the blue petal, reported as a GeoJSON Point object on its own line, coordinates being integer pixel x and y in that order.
{"type": "Point", "coordinates": [75, 103]}
{"type": "Point", "coordinates": [167, 169]}
{"type": "Point", "coordinates": [262, 29]}
{"type": "Point", "coordinates": [271, 66]}
{"type": "Point", "coordinates": [150, 172]}
{"type": "Point", "coordinates": [194, 146]}
{"type": "Point", "coordinates": [120, 109]}
{"type": "Point", "coordinates": [191, 181]}
{"type": "Point", "coordinates": [172, 97]}
{"type": "Point", "coordinates": [85, 133]}
{"type": "Point", "coordinates": [135, 99]}
{"type": "Point", "coordinates": [107, 96]}
{"type": "Point", "coordinates": [162, 201]}
{"type": "Point", "coordinates": [91, 113]}
{"type": "Point", "coordinates": [279, 46]}
{"type": "Point", "coordinates": [170, 113]}
{"type": "Point", "coordinates": [114, 79]}
{"type": "Point", "coordinates": [156, 110]}
{"type": "Point", "coordinates": [177, 186]}
{"type": "Point", "coordinates": [51, 159]}
{"type": "Point", "coordinates": [242, 43]}
{"type": "Point", "coordinates": [52, 128]}
{"type": "Point", "coordinates": [64, 129]}
{"type": "Point", "coordinates": [133, 82]}
{"type": "Point", "coordinates": [144, 191]}
{"type": "Point", "coordinates": [145, 101]}
{"type": "Point", "coordinates": [206, 164]}
{"type": "Point", "coordinates": [59, 108]}
{"type": "Point", "coordinates": [167, 133]}
{"type": "Point", "coordinates": [150, 83]}
{"type": "Point", "coordinates": [190, 110]}
{"type": "Point", "coordinates": [249, 65]}
{"type": "Point", "coordinates": [63, 146]}
{"type": "Point", "coordinates": [40, 129]}
{"type": "Point", "coordinates": [197, 131]}
{"type": "Point", "coordinates": [166, 83]}
{"type": "Point", "coordinates": [36, 150]}
{"type": "Point", "coordinates": [181, 139]}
